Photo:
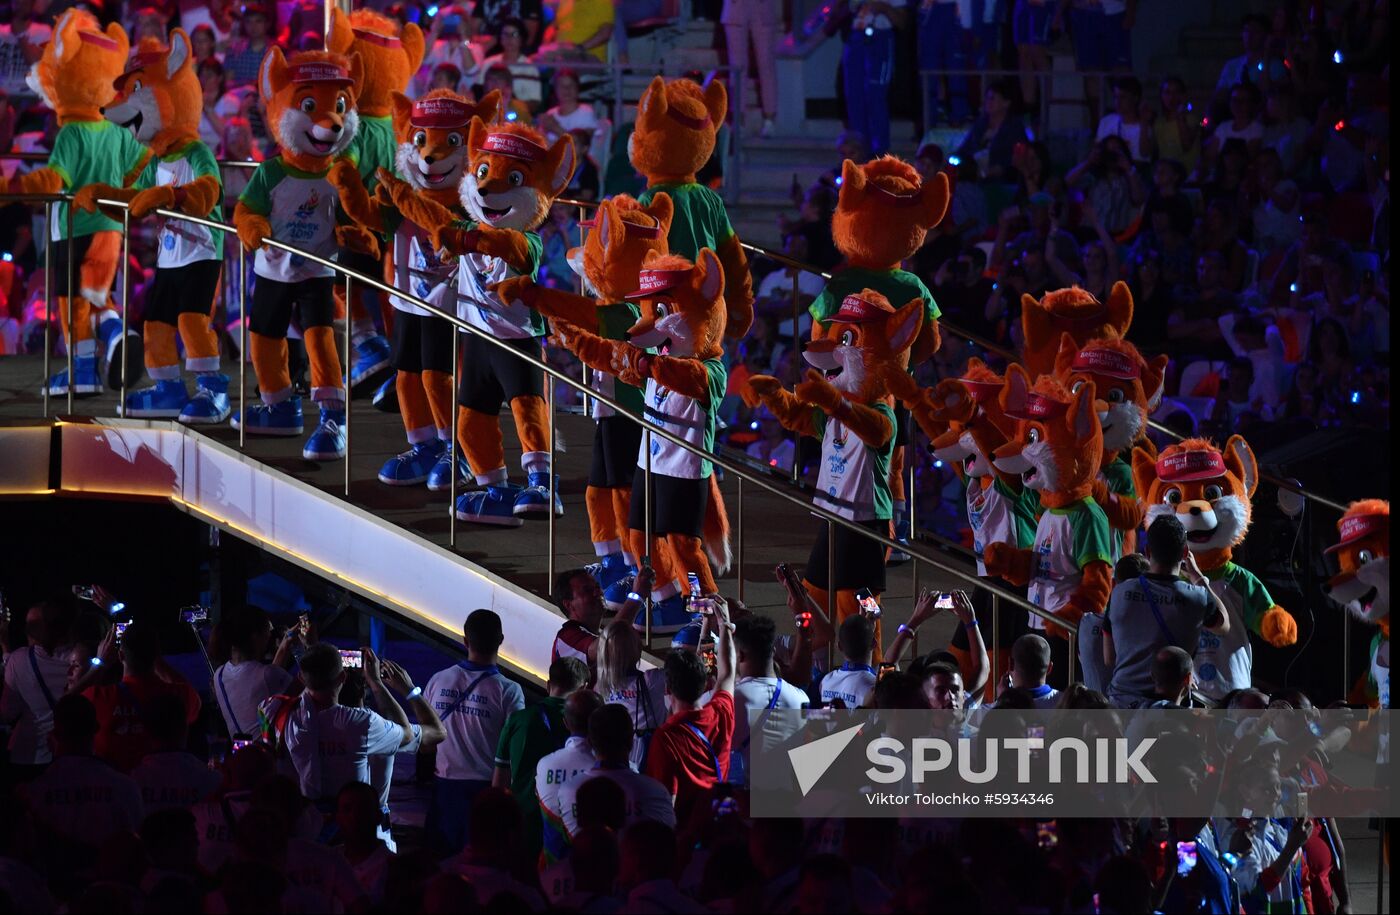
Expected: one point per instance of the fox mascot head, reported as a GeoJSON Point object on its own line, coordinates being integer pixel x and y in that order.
{"type": "Point", "coordinates": [389, 56]}
{"type": "Point", "coordinates": [883, 214]}
{"type": "Point", "coordinates": [682, 305]}
{"type": "Point", "coordinates": [431, 134]}
{"type": "Point", "coordinates": [512, 176]}
{"type": "Point", "coordinates": [158, 97]}
{"type": "Point", "coordinates": [1058, 443]}
{"type": "Point", "coordinates": [310, 99]}
{"type": "Point", "coordinates": [76, 71]}
{"type": "Point", "coordinates": [1208, 489]}
{"type": "Point", "coordinates": [1072, 311]}
{"type": "Point", "coordinates": [1362, 585]}
{"type": "Point", "coordinates": [624, 235]}
{"type": "Point", "coordinates": [974, 425]}
{"type": "Point", "coordinates": [1128, 387]}
{"type": "Point", "coordinates": [676, 126]}
{"type": "Point", "coordinates": [865, 343]}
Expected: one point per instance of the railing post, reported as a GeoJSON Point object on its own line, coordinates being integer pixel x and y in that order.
{"type": "Point", "coordinates": [739, 541]}
{"type": "Point", "coordinates": [646, 536]}
{"type": "Point", "coordinates": [345, 376]}
{"type": "Point", "coordinates": [1346, 655]}
{"type": "Point", "coordinates": [587, 373]}
{"type": "Point", "coordinates": [831, 592]}
{"type": "Point", "coordinates": [549, 406]}
{"type": "Point", "coordinates": [126, 305]}
{"type": "Point", "coordinates": [996, 638]}
{"type": "Point", "coordinates": [71, 285]}
{"type": "Point", "coordinates": [1072, 649]}
{"type": "Point", "coordinates": [454, 447]}
{"type": "Point", "coordinates": [797, 374]}
{"type": "Point", "coordinates": [243, 344]}
{"type": "Point", "coordinates": [48, 299]}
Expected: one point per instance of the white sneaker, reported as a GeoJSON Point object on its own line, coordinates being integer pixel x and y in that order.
{"type": "Point", "coordinates": [768, 128]}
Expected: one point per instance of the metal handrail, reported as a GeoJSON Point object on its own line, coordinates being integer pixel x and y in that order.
{"type": "Point", "coordinates": [724, 463]}
{"type": "Point", "coordinates": [1005, 353]}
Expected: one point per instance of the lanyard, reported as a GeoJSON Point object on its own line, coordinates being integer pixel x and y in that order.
{"type": "Point", "coordinates": [1157, 614]}
{"type": "Point", "coordinates": [490, 671]}
{"type": "Point", "coordinates": [762, 719]}
{"type": "Point", "coordinates": [237, 728]}
{"type": "Point", "coordinates": [714, 758]}
{"type": "Point", "coordinates": [38, 678]}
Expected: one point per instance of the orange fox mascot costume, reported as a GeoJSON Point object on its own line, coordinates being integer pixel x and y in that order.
{"type": "Point", "coordinates": [624, 234]}
{"type": "Point", "coordinates": [1362, 588]}
{"type": "Point", "coordinates": [159, 98]}
{"type": "Point", "coordinates": [1209, 490]}
{"type": "Point", "coordinates": [682, 308]}
{"type": "Point", "coordinates": [883, 214]}
{"type": "Point", "coordinates": [1056, 449]}
{"type": "Point", "coordinates": [389, 57]}
{"type": "Point", "coordinates": [510, 183]}
{"type": "Point", "coordinates": [75, 77]}
{"type": "Point", "coordinates": [1072, 311]}
{"type": "Point", "coordinates": [965, 424]}
{"type": "Point", "coordinates": [677, 122]}
{"type": "Point", "coordinates": [1129, 388]}
{"type": "Point", "coordinates": [310, 101]}
{"type": "Point", "coordinates": [846, 392]}
{"type": "Point", "coordinates": [431, 159]}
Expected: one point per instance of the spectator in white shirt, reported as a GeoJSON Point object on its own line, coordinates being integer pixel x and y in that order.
{"type": "Point", "coordinates": [759, 688]}
{"type": "Point", "coordinates": [331, 744]}
{"type": "Point", "coordinates": [621, 681]}
{"type": "Point", "coordinates": [852, 683]}
{"type": "Point", "coordinates": [1126, 120]}
{"type": "Point", "coordinates": [245, 680]}
{"type": "Point", "coordinates": [1243, 123]}
{"type": "Point", "coordinates": [169, 775]}
{"type": "Point", "coordinates": [473, 700]}
{"type": "Point", "coordinates": [568, 112]}
{"type": "Point", "coordinates": [610, 736]}
{"type": "Point", "coordinates": [566, 765]}
{"type": "Point", "coordinates": [648, 861]}
{"type": "Point", "coordinates": [35, 677]}
{"type": "Point", "coordinates": [80, 798]}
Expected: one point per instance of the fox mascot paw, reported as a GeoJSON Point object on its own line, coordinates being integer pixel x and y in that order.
{"type": "Point", "coordinates": [518, 289]}
{"type": "Point", "coordinates": [358, 239]}
{"type": "Point", "coordinates": [1278, 627]}
{"type": "Point", "coordinates": [454, 240]}
{"type": "Point", "coordinates": [760, 387]}
{"type": "Point", "coordinates": [1006, 561]}
{"type": "Point", "coordinates": [817, 391]}
{"type": "Point", "coordinates": [253, 230]}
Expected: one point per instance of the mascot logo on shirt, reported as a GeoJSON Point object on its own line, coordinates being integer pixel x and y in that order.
{"type": "Point", "coordinates": [513, 177]}
{"type": "Point", "coordinates": [1208, 490]}
{"type": "Point", "coordinates": [1072, 311]}
{"type": "Point", "coordinates": [1363, 554]}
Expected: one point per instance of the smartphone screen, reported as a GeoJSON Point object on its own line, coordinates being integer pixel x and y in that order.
{"type": "Point", "coordinates": [944, 601]}
{"type": "Point", "coordinates": [194, 614]}
{"type": "Point", "coordinates": [352, 658]}
{"type": "Point", "coordinates": [121, 631]}
{"type": "Point", "coordinates": [1185, 858]}
{"type": "Point", "coordinates": [304, 624]}
{"type": "Point", "coordinates": [1047, 833]}
{"type": "Point", "coordinates": [867, 601]}
{"type": "Point", "coordinates": [241, 742]}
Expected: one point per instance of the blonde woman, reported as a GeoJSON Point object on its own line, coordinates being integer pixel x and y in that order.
{"type": "Point", "coordinates": [621, 681]}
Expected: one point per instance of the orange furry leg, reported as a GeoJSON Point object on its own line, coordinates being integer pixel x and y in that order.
{"type": "Point", "coordinates": [438, 386]}
{"type": "Point", "coordinates": [162, 360]}
{"type": "Point", "coordinates": [418, 424]}
{"type": "Point", "coordinates": [270, 366]}
{"type": "Point", "coordinates": [622, 513]}
{"type": "Point", "coordinates": [201, 343]}
{"type": "Point", "coordinates": [532, 425]}
{"type": "Point", "coordinates": [602, 521]}
{"type": "Point", "coordinates": [690, 558]}
{"type": "Point", "coordinates": [663, 564]}
{"type": "Point", "coordinates": [326, 384]}
{"type": "Point", "coordinates": [479, 435]}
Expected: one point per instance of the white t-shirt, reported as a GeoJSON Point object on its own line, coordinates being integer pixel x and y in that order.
{"type": "Point", "coordinates": [1226, 130]}
{"type": "Point", "coordinates": [780, 457]}
{"type": "Point", "coordinates": [1225, 662]}
{"type": "Point", "coordinates": [481, 307]}
{"type": "Point", "coordinates": [215, 821]}
{"type": "Point", "coordinates": [524, 82]}
{"type": "Point", "coordinates": [24, 704]}
{"type": "Point", "coordinates": [381, 768]}
{"type": "Point", "coordinates": [644, 695]}
{"type": "Point", "coordinates": [680, 415]}
{"type": "Point", "coordinates": [419, 269]}
{"type": "Point", "coordinates": [301, 211]}
{"type": "Point", "coordinates": [84, 799]}
{"type": "Point", "coordinates": [1111, 125]}
{"type": "Point", "coordinates": [851, 683]}
{"type": "Point", "coordinates": [332, 746]}
{"type": "Point", "coordinates": [240, 688]}
{"type": "Point", "coordinates": [183, 242]}
{"type": "Point", "coordinates": [318, 877]}
{"type": "Point", "coordinates": [473, 724]}
{"type": "Point", "coordinates": [582, 118]}
{"type": "Point", "coordinates": [759, 694]}
{"type": "Point", "coordinates": [557, 769]}
{"type": "Point", "coordinates": [372, 872]}
{"type": "Point", "coordinates": [990, 516]}
{"type": "Point", "coordinates": [646, 799]}
{"type": "Point", "coordinates": [174, 779]}
{"type": "Point", "coordinates": [846, 484]}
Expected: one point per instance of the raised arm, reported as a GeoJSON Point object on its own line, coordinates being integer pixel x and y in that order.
{"type": "Point", "coordinates": [354, 197]}
{"type": "Point", "coordinates": [788, 408]}
{"type": "Point", "coordinates": [555, 304]}
{"type": "Point", "coordinates": [870, 425]}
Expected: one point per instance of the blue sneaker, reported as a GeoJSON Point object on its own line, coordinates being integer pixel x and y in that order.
{"type": "Point", "coordinates": [87, 380]}
{"type": "Point", "coordinates": [492, 505]}
{"type": "Point", "coordinates": [534, 498]}
{"type": "Point", "coordinates": [439, 479]}
{"type": "Point", "coordinates": [272, 419]}
{"type": "Point", "coordinates": [371, 362]}
{"type": "Point", "coordinates": [688, 637]}
{"type": "Point", "coordinates": [412, 466]}
{"type": "Point", "coordinates": [327, 443]}
{"type": "Point", "coordinates": [668, 616]}
{"type": "Point", "coordinates": [166, 399]}
{"type": "Point", "coordinates": [609, 570]}
{"type": "Point", "coordinates": [901, 535]}
{"type": "Point", "coordinates": [112, 343]}
{"type": "Point", "coordinates": [615, 594]}
{"type": "Point", "coordinates": [210, 404]}
{"type": "Point", "coordinates": [386, 398]}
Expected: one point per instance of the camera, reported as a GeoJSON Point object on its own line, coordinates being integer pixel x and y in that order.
{"type": "Point", "coordinates": [352, 658]}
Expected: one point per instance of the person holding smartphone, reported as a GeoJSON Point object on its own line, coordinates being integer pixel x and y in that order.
{"type": "Point", "coordinates": [246, 679]}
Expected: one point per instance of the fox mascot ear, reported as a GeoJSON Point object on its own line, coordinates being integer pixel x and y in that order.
{"type": "Point", "coordinates": [663, 210]}
{"type": "Point", "coordinates": [610, 229]}
{"type": "Point", "coordinates": [1120, 308]}
{"type": "Point", "coordinates": [1144, 471]}
{"type": "Point", "coordinates": [903, 326]}
{"type": "Point", "coordinates": [1081, 417]}
{"type": "Point", "coordinates": [561, 161]}
{"type": "Point", "coordinates": [272, 75]}
{"type": "Point", "coordinates": [476, 135]}
{"type": "Point", "coordinates": [411, 38]}
{"type": "Point", "coordinates": [1239, 459]}
{"type": "Point", "coordinates": [179, 57]}
{"type": "Point", "coordinates": [1154, 379]}
{"type": "Point", "coordinates": [357, 74]}
{"type": "Point", "coordinates": [651, 109]}
{"type": "Point", "coordinates": [402, 108]}
{"type": "Point", "coordinates": [709, 283]}
{"type": "Point", "coordinates": [1064, 357]}
{"type": "Point", "coordinates": [489, 108]}
{"type": "Point", "coordinates": [1015, 390]}
{"type": "Point", "coordinates": [952, 401]}
{"type": "Point", "coordinates": [935, 197]}
{"type": "Point", "coordinates": [716, 102]}
{"type": "Point", "coordinates": [852, 186]}
{"type": "Point", "coordinates": [341, 34]}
